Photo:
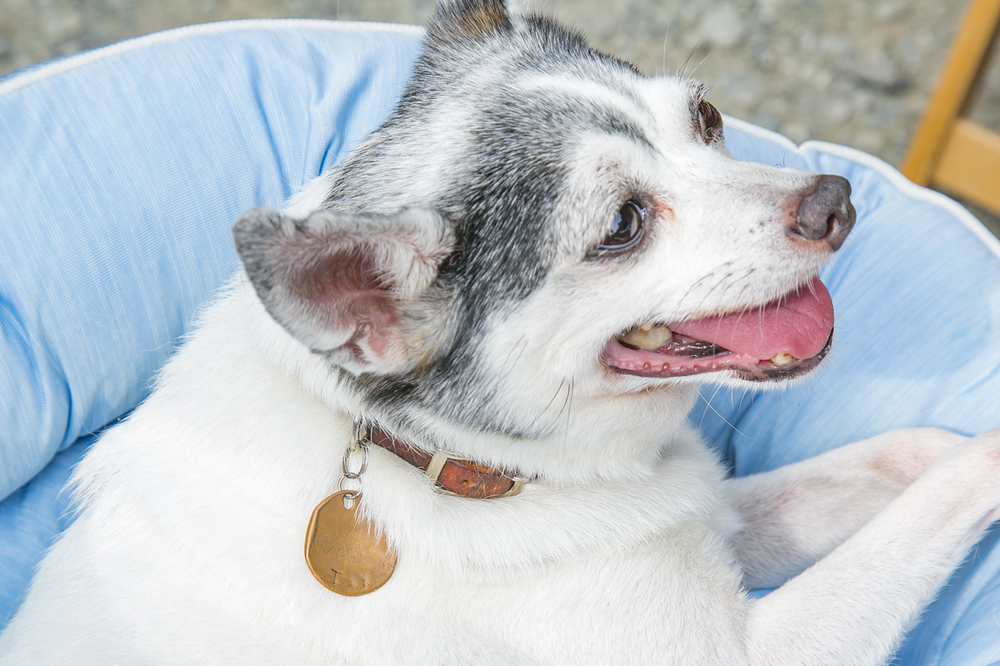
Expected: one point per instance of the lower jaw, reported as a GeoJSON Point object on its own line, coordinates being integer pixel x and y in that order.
{"type": "Point", "coordinates": [740, 367]}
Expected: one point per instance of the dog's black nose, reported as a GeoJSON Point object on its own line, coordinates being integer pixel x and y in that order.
{"type": "Point", "coordinates": [826, 213]}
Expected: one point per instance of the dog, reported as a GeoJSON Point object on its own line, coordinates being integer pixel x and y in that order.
{"type": "Point", "coordinates": [455, 374]}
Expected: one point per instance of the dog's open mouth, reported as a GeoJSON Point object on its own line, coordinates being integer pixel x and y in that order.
{"type": "Point", "coordinates": [783, 339]}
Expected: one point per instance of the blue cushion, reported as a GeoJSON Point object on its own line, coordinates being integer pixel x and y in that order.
{"type": "Point", "coordinates": [128, 165]}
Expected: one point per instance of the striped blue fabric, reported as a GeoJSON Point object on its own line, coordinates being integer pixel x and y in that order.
{"type": "Point", "coordinates": [126, 166]}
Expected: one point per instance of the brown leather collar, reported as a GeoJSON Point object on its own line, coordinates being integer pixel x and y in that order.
{"type": "Point", "coordinates": [451, 474]}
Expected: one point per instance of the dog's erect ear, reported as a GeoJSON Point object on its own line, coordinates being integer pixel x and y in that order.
{"type": "Point", "coordinates": [461, 20]}
{"type": "Point", "coordinates": [338, 282]}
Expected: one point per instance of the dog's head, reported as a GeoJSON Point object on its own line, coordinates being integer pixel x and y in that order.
{"type": "Point", "coordinates": [542, 239]}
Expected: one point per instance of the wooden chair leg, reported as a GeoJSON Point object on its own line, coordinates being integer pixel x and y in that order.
{"type": "Point", "coordinates": [962, 70]}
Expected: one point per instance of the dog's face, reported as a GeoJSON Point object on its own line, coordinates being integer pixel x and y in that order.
{"type": "Point", "coordinates": [541, 229]}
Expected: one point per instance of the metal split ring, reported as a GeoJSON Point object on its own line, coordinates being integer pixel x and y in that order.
{"type": "Point", "coordinates": [363, 446]}
{"type": "Point", "coordinates": [351, 494]}
{"type": "Point", "coordinates": [359, 441]}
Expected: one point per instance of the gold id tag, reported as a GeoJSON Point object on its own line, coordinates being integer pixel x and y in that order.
{"type": "Point", "coordinates": [343, 551]}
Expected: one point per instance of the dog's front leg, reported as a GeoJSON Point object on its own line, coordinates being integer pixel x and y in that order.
{"type": "Point", "coordinates": [853, 606]}
{"type": "Point", "coordinates": [795, 515]}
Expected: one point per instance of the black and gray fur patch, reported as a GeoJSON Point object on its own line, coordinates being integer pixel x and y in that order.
{"type": "Point", "coordinates": [501, 198]}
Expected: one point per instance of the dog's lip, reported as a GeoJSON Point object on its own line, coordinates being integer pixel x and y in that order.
{"type": "Point", "coordinates": [625, 360]}
{"type": "Point", "coordinates": [798, 326]}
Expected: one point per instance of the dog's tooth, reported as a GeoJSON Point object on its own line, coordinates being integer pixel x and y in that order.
{"type": "Point", "coordinates": [782, 359]}
{"type": "Point", "coordinates": [647, 337]}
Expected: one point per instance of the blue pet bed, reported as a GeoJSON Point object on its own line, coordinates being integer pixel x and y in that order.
{"type": "Point", "coordinates": [123, 169]}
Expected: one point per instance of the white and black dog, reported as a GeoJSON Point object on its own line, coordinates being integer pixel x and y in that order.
{"type": "Point", "coordinates": [532, 265]}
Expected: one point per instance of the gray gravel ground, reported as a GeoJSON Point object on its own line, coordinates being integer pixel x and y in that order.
{"type": "Point", "coordinates": [856, 72]}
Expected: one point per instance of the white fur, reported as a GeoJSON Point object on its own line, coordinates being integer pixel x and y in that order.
{"type": "Point", "coordinates": [628, 546]}
{"type": "Point", "coordinates": [586, 92]}
{"type": "Point", "coordinates": [190, 548]}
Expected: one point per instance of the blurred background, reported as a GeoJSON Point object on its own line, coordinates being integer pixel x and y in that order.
{"type": "Point", "coordinates": [855, 72]}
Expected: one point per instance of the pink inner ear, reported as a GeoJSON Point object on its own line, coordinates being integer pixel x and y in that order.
{"type": "Point", "coordinates": [348, 294]}
{"type": "Point", "coordinates": [347, 288]}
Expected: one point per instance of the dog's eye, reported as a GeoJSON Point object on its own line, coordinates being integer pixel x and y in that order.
{"type": "Point", "coordinates": [710, 120]}
{"type": "Point", "coordinates": [625, 229]}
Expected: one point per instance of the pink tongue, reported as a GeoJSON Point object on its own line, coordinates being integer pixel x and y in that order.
{"type": "Point", "coordinates": [798, 324]}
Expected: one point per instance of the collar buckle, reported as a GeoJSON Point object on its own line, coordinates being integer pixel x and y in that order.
{"type": "Point", "coordinates": [453, 475]}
